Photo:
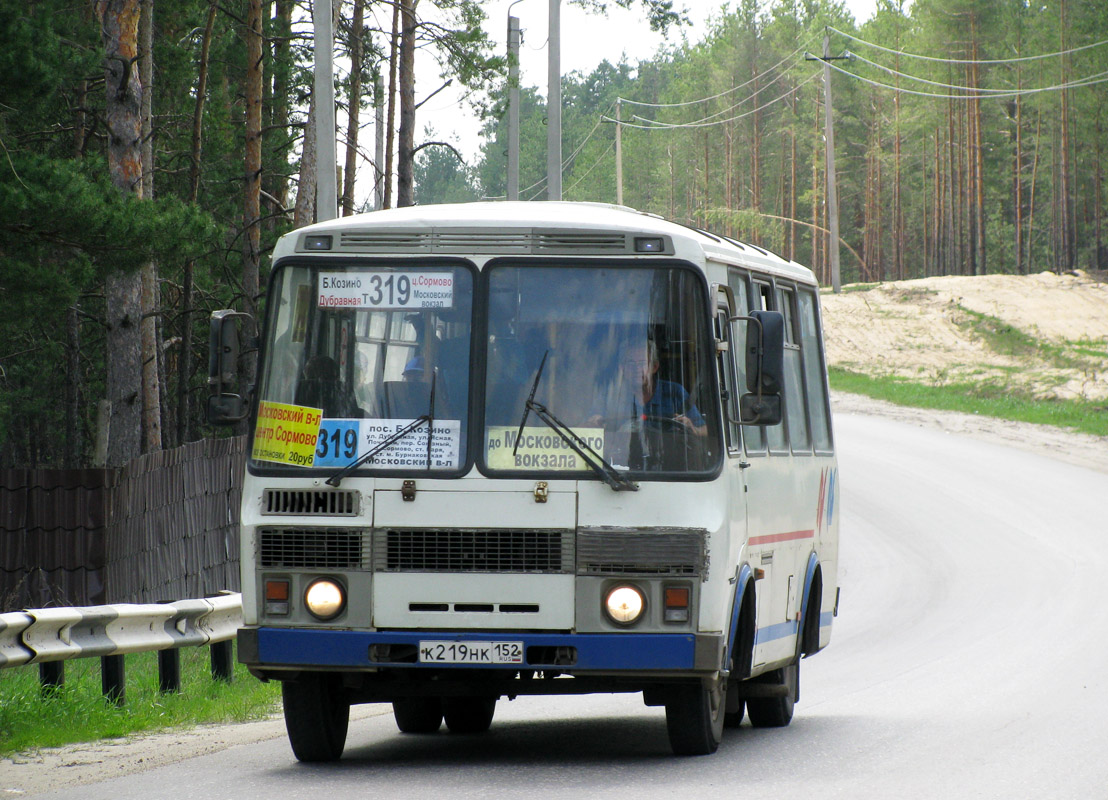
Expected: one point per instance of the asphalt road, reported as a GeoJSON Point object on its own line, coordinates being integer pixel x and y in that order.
{"type": "Point", "coordinates": [969, 659]}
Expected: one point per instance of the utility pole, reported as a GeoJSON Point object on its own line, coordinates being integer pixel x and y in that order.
{"type": "Point", "coordinates": [619, 152]}
{"type": "Point", "coordinates": [554, 105]}
{"type": "Point", "coordinates": [513, 107]}
{"type": "Point", "coordinates": [829, 139]}
{"type": "Point", "coordinates": [327, 203]}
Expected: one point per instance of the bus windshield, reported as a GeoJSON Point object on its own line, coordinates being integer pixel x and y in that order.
{"type": "Point", "coordinates": [625, 365]}
{"type": "Point", "coordinates": [355, 354]}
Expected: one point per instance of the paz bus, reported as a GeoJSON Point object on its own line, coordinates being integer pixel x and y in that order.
{"type": "Point", "coordinates": [509, 449]}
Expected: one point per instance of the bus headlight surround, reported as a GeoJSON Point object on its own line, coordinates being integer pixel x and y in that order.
{"type": "Point", "coordinates": [325, 598]}
{"type": "Point", "coordinates": [625, 604]}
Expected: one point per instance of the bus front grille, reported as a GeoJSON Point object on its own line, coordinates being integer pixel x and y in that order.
{"type": "Point", "coordinates": [630, 552]}
{"type": "Point", "coordinates": [310, 502]}
{"type": "Point", "coordinates": [473, 551]}
{"type": "Point", "coordinates": [313, 548]}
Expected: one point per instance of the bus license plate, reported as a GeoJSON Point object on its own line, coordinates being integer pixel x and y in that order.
{"type": "Point", "coordinates": [432, 652]}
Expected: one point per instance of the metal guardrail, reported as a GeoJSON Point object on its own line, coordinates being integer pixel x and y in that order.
{"type": "Point", "coordinates": [57, 634]}
{"type": "Point", "coordinates": [47, 636]}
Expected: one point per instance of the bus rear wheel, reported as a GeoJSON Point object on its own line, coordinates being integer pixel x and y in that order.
{"type": "Point", "coordinates": [694, 717]}
{"type": "Point", "coordinates": [317, 716]}
{"type": "Point", "coordinates": [418, 714]}
{"type": "Point", "coordinates": [776, 712]}
{"type": "Point", "coordinates": [468, 714]}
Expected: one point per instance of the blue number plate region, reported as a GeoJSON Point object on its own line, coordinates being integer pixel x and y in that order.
{"type": "Point", "coordinates": [337, 445]}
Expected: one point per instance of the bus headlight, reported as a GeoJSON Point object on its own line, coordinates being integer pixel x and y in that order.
{"type": "Point", "coordinates": [624, 604]}
{"type": "Point", "coordinates": [325, 599]}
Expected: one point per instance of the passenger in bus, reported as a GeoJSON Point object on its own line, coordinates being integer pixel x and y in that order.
{"type": "Point", "coordinates": [413, 370]}
{"type": "Point", "coordinates": [320, 388]}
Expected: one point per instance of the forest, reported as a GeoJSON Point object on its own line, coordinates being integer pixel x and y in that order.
{"type": "Point", "coordinates": [154, 150]}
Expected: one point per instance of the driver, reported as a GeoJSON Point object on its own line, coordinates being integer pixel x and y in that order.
{"type": "Point", "coordinates": [653, 396]}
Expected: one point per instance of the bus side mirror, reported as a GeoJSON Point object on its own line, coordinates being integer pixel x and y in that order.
{"type": "Point", "coordinates": [765, 368]}
{"type": "Point", "coordinates": [224, 406]}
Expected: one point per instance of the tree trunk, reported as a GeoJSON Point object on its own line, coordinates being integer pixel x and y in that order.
{"type": "Point", "coordinates": [405, 156]}
{"type": "Point", "coordinates": [119, 33]}
{"type": "Point", "coordinates": [252, 198]}
{"type": "Point", "coordinates": [390, 135]}
{"type": "Point", "coordinates": [184, 360]}
{"type": "Point", "coordinates": [1065, 215]}
{"type": "Point", "coordinates": [151, 351]}
{"type": "Point", "coordinates": [282, 47]}
{"type": "Point", "coordinates": [354, 110]}
{"type": "Point", "coordinates": [72, 388]}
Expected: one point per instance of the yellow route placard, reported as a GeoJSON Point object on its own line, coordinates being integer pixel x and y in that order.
{"type": "Point", "coordinates": [539, 448]}
{"type": "Point", "coordinates": [286, 434]}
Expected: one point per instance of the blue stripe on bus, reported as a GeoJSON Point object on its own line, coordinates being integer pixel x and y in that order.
{"type": "Point", "coordinates": [773, 632]}
{"type": "Point", "coordinates": [344, 648]}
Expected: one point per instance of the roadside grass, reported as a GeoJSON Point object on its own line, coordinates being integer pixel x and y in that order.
{"type": "Point", "coordinates": [985, 399]}
{"type": "Point", "coordinates": [1006, 339]}
{"type": "Point", "coordinates": [78, 712]}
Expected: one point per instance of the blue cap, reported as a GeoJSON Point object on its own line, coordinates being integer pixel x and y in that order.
{"type": "Point", "coordinates": [414, 365]}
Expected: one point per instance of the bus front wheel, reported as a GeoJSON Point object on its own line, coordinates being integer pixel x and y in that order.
{"type": "Point", "coordinates": [694, 717]}
{"type": "Point", "coordinates": [317, 716]}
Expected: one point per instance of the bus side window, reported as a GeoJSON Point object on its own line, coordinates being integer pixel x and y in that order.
{"type": "Point", "coordinates": [775, 434]}
{"type": "Point", "coordinates": [796, 411]}
{"type": "Point", "coordinates": [815, 382]}
{"type": "Point", "coordinates": [739, 282]}
{"type": "Point", "coordinates": [725, 360]}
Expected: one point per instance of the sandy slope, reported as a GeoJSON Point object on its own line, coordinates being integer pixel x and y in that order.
{"type": "Point", "coordinates": [923, 330]}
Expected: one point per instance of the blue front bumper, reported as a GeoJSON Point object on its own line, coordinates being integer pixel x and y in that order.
{"type": "Point", "coordinates": [580, 652]}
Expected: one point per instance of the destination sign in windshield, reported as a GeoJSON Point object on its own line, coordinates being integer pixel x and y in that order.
{"type": "Point", "coordinates": [386, 290]}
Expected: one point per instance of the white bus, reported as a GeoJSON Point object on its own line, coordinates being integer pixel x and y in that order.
{"type": "Point", "coordinates": [532, 449]}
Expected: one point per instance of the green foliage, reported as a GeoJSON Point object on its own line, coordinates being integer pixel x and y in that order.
{"type": "Point", "coordinates": [991, 400]}
{"type": "Point", "coordinates": [440, 175]}
{"type": "Point", "coordinates": [727, 132]}
{"type": "Point", "coordinates": [79, 713]}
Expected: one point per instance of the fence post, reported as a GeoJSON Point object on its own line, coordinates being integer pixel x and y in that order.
{"type": "Point", "coordinates": [51, 677]}
{"type": "Point", "coordinates": [169, 671]}
{"type": "Point", "coordinates": [223, 660]}
{"type": "Point", "coordinates": [113, 678]}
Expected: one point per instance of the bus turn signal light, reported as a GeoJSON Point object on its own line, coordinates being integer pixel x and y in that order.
{"type": "Point", "coordinates": [277, 597]}
{"type": "Point", "coordinates": [677, 604]}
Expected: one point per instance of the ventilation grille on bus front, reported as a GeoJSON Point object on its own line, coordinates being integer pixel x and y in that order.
{"type": "Point", "coordinates": [313, 548]}
{"type": "Point", "coordinates": [310, 502]}
{"type": "Point", "coordinates": [507, 242]}
{"type": "Point", "coordinates": [626, 552]}
{"type": "Point", "coordinates": [473, 551]}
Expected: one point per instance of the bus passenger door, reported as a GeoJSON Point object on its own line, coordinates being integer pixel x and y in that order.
{"type": "Point", "coordinates": [729, 353]}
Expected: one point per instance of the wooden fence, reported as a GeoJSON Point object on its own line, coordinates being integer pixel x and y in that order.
{"type": "Point", "coordinates": [161, 528]}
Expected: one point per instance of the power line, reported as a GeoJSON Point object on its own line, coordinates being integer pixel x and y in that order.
{"type": "Point", "coordinates": [742, 102]}
{"type": "Point", "coordinates": [721, 94]}
{"type": "Point", "coordinates": [969, 60]}
{"type": "Point", "coordinates": [594, 166]}
{"type": "Point", "coordinates": [672, 126]}
{"type": "Point", "coordinates": [924, 80]}
{"type": "Point", "coordinates": [1091, 80]}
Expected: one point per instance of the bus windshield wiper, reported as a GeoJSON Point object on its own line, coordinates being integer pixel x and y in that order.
{"type": "Point", "coordinates": [428, 418]}
{"type": "Point", "coordinates": [597, 463]}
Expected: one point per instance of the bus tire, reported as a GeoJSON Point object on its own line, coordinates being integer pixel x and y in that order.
{"type": "Point", "coordinates": [468, 714]}
{"type": "Point", "coordinates": [775, 712]}
{"type": "Point", "coordinates": [317, 716]}
{"type": "Point", "coordinates": [418, 714]}
{"type": "Point", "coordinates": [694, 717]}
